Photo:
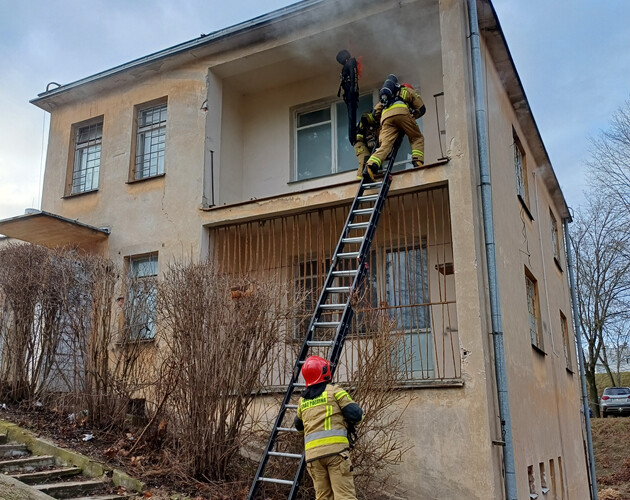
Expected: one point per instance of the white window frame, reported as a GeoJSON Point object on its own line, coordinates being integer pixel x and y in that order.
{"type": "Point", "coordinates": [141, 328]}
{"type": "Point", "coordinates": [334, 143]}
{"type": "Point", "coordinates": [157, 129]}
{"type": "Point", "coordinates": [81, 154]}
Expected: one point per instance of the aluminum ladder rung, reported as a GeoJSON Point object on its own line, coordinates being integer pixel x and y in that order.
{"type": "Point", "coordinates": [286, 455]}
{"type": "Point", "coordinates": [278, 481]}
{"type": "Point", "coordinates": [358, 239]}
{"type": "Point", "coordinates": [369, 197]}
{"type": "Point", "coordinates": [287, 429]}
{"type": "Point", "coordinates": [332, 306]}
{"type": "Point", "coordinates": [372, 185]}
{"type": "Point", "coordinates": [350, 272]}
{"type": "Point", "coordinates": [291, 407]}
{"type": "Point", "coordinates": [358, 225]}
{"type": "Point", "coordinates": [363, 211]}
{"type": "Point", "coordinates": [326, 324]}
{"type": "Point", "coordinates": [336, 289]}
{"type": "Point", "coordinates": [348, 255]}
{"type": "Point", "coordinates": [319, 343]}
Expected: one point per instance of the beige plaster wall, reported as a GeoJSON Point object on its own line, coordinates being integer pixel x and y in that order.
{"type": "Point", "coordinates": [159, 214]}
{"type": "Point", "coordinates": [544, 395]}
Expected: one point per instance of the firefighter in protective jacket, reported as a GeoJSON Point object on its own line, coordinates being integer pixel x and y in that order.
{"type": "Point", "coordinates": [367, 138]}
{"type": "Point", "coordinates": [399, 108]}
{"type": "Point", "coordinates": [324, 413]}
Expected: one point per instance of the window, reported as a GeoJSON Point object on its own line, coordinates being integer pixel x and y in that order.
{"type": "Point", "coordinates": [555, 240]}
{"type": "Point", "coordinates": [407, 296]}
{"type": "Point", "coordinates": [87, 157]}
{"type": "Point", "coordinates": [142, 296]}
{"type": "Point", "coordinates": [533, 308]}
{"type": "Point", "coordinates": [151, 134]}
{"type": "Point", "coordinates": [566, 341]}
{"type": "Point", "coordinates": [521, 170]}
{"type": "Point", "coordinates": [321, 140]}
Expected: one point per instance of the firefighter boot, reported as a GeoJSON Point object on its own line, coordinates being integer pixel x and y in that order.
{"type": "Point", "coordinates": [370, 172]}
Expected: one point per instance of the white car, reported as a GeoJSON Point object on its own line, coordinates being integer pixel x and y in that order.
{"type": "Point", "coordinates": [615, 401]}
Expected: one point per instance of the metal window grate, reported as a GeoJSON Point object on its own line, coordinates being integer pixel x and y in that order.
{"type": "Point", "coordinates": [142, 297]}
{"type": "Point", "coordinates": [87, 158]}
{"type": "Point", "coordinates": [412, 244]}
{"type": "Point", "coordinates": [151, 142]}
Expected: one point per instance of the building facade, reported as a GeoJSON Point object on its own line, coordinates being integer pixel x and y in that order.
{"type": "Point", "coordinates": [233, 147]}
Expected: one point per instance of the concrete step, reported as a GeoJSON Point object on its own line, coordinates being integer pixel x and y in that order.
{"type": "Point", "coordinates": [26, 464]}
{"type": "Point", "coordinates": [104, 497]}
{"type": "Point", "coordinates": [13, 450]}
{"type": "Point", "coordinates": [46, 476]}
{"type": "Point", "coordinates": [71, 489]}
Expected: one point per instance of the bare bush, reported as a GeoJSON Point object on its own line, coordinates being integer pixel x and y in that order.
{"type": "Point", "coordinates": [220, 340]}
{"type": "Point", "coordinates": [63, 338]}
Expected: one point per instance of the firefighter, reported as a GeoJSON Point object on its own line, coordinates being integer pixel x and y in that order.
{"type": "Point", "coordinates": [367, 138]}
{"type": "Point", "coordinates": [399, 108]}
{"type": "Point", "coordinates": [325, 413]}
{"type": "Point", "coordinates": [349, 85]}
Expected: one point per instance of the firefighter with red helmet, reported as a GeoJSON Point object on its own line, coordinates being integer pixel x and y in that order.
{"type": "Point", "coordinates": [399, 108]}
{"type": "Point", "coordinates": [325, 412]}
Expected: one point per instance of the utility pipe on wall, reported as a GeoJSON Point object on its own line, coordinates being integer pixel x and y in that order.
{"type": "Point", "coordinates": [488, 224]}
{"type": "Point", "coordinates": [578, 339]}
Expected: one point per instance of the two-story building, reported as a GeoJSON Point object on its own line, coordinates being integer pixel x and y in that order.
{"type": "Point", "coordinates": [233, 147]}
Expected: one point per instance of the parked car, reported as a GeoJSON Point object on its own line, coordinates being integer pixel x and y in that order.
{"type": "Point", "coordinates": [615, 401]}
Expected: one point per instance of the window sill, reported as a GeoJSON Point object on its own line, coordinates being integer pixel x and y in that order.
{"type": "Point", "coordinates": [74, 195]}
{"type": "Point", "coordinates": [130, 343]}
{"type": "Point", "coordinates": [555, 259]}
{"type": "Point", "coordinates": [539, 350]}
{"type": "Point", "coordinates": [134, 181]}
{"type": "Point", "coordinates": [525, 207]}
{"type": "Point", "coordinates": [297, 181]}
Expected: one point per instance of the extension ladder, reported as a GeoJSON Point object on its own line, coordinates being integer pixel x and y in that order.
{"type": "Point", "coordinates": [356, 232]}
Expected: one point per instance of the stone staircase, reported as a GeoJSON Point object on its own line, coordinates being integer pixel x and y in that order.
{"type": "Point", "coordinates": [48, 478]}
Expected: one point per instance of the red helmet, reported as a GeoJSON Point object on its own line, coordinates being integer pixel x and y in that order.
{"type": "Point", "coordinates": [316, 370]}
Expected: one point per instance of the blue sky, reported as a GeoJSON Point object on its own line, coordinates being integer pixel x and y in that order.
{"type": "Point", "coordinates": [572, 57]}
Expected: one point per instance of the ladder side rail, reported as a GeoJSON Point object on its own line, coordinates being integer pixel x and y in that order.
{"type": "Point", "coordinates": [298, 478]}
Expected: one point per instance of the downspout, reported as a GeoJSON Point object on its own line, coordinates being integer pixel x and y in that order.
{"type": "Point", "coordinates": [488, 225]}
{"type": "Point", "coordinates": [581, 361]}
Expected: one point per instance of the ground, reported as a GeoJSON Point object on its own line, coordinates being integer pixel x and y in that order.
{"type": "Point", "coordinates": [154, 467]}
{"type": "Point", "coordinates": [610, 441]}
{"type": "Point", "coordinates": [612, 457]}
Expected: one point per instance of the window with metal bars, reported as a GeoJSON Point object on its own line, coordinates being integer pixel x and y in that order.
{"type": "Point", "coordinates": [408, 279]}
{"type": "Point", "coordinates": [150, 144]}
{"type": "Point", "coordinates": [555, 239]}
{"type": "Point", "coordinates": [87, 158]}
{"type": "Point", "coordinates": [142, 296]}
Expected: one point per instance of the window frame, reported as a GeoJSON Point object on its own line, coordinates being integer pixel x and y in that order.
{"type": "Point", "coordinates": [566, 342]}
{"type": "Point", "coordinates": [520, 169]}
{"type": "Point", "coordinates": [332, 105]}
{"type": "Point", "coordinates": [135, 330]}
{"type": "Point", "coordinates": [73, 151]}
{"type": "Point", "coordinates": [555, 239]}
{"type": "Point", "coordinates": [533, 311]}
{"type": "Point", "coordinates": [135, 140]}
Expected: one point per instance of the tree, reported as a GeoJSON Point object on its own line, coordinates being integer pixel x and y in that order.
{"type": "Point", "coordinates": [601, 239]}
{"type": "Point", "coordinates": [610, 157]}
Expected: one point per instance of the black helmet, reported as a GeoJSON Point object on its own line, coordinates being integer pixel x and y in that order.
{"type": "Point", "coordinates": [389, 90]}
{"type": "Point", "coordinates": [343, 56]}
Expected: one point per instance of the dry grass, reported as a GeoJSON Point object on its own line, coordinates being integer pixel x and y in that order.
{"type": "Point", "coordinates": [612, 457]}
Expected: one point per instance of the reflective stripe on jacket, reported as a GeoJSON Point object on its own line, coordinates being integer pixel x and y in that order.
{"type": "Point", "coordinates": [324, 427]}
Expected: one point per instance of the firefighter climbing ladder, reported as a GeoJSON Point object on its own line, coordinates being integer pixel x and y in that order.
{"type": "Point", "coordinates": [356, 232]}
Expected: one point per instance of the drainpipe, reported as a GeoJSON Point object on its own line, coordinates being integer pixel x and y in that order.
{"type": "Point", "coordinates": [581, 361]}
{"type": "Point", "coordinates": [488, 225]}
